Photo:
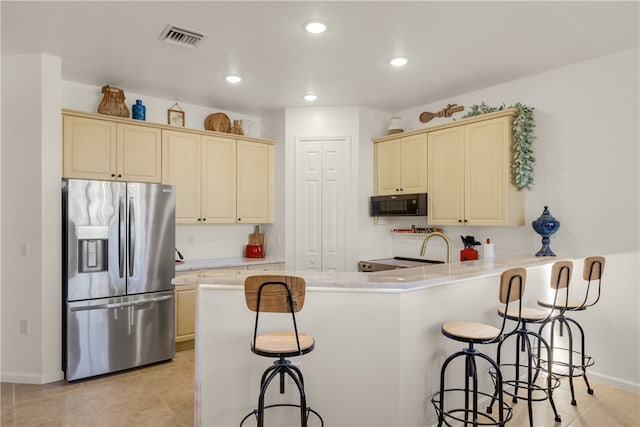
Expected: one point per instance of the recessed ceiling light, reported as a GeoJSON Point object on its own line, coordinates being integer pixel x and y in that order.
{"type": "Point", "coordinates": [233, 79]}
{"type": "Point", "coordinates": [315, 27]}
{"type": "Point", "coordinates": [398, 62]}
{"type": "Point", "coordinates": [310, 97]}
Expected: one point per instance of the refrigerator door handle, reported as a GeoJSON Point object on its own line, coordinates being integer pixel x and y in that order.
{"type": "Point", "coordinates": [132, 236]}
{"type": "Point", "coordinates": [113, 305]}
{"type": "Point", "coordinates": [121, 238]}
{"type": "Point", "coordinates": [105, 306]}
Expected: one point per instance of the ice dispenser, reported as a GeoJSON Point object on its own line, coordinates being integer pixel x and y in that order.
{"type": "Point", "coordinates": [93, 248]}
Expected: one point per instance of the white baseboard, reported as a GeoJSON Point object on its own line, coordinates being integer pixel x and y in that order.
{"type": "Point", "coordinates": [613, 381]}
{"type": "Point", "coordinates": [29, 378]}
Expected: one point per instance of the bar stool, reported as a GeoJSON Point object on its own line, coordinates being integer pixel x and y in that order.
{"type": "Point", "coordinates": [511, 287]}
{"type": "Point", "coordinates": [279, 294]}
{"type": "Point", "coordinates": [574, 363]}
{"type": "Point", "coordinates": [524, 337]}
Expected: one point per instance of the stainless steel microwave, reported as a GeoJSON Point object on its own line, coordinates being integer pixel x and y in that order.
{"type": "Point", "coordinates": [399, 205]}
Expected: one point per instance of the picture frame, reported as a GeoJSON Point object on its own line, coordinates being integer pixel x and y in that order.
{"type": "Point", "coordinates": [175, 116]}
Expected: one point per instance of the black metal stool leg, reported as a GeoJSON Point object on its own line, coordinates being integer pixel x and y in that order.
{"type": "Point", "coordinates": [582, 355]}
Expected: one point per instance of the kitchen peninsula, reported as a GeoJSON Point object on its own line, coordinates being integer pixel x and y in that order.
{"type": "Point", "coordinates": [378, 343]}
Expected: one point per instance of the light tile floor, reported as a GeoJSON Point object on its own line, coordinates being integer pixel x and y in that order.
{"type": "Point", "coordinates": [157, 395]}
{"type": "Point", "coordinates": [163, 395]}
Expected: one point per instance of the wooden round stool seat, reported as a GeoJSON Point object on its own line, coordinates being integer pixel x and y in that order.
{"type": "Point", "coordinates": [283, 344]}
{"type": "Point", "coordinates": [528, 314]}
{"type": "Point", "coordinates": [572, 304]}
{"type": "Point", "coordinates": [470, 331]}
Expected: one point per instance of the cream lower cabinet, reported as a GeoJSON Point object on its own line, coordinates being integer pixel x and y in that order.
{"type": "Point", "coordinates": [401, 165]}
{"type": "Point", "coordinates": [266, 267]}
{"type": "Point", "coordinates": [186, 298]}
{"type": "Point", "coordinates": [185, 312]}
{"type": "Point", "coordinates": [202, 169]}
{"type": "Point", "coordinates": [96, 148]}
{"type": "Point", "coordinates": [469, 175]}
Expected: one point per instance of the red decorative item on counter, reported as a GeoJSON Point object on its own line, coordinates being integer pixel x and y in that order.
{"type": "Point", "coordinates": [468, 254]}
{"type": "Point", "coordinates": [254, 251]}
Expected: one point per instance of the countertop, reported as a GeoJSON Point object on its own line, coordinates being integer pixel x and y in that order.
{"type": "Point", "coordinates": [205, 263]}
{"type": "Point", "coordinates": [395, 281]}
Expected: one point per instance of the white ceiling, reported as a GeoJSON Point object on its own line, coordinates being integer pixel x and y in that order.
{"type": "Point", "coordinates": [453, 47]}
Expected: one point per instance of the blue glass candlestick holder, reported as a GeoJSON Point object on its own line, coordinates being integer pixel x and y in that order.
{"type": "Point", "coordinates": [545, 225]}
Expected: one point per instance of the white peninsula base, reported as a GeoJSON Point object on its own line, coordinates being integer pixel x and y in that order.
{"type": "Point", "coordinates": [378, 351]}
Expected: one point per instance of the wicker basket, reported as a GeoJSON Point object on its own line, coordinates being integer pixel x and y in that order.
{"type": "Point", "coordinates": [113, 102]}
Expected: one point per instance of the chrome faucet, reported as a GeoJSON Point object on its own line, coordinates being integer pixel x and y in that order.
{"type": "Point", "coordinates": [434, 234]}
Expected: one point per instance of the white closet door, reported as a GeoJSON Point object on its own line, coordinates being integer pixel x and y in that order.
{"type": "Point", "coordinates": [320, 204]}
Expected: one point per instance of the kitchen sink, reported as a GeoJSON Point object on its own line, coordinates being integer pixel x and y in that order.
{"type": "Point", "coordinates": [425, 261]}
{"type": "Point", "coordinates": [394, 263]}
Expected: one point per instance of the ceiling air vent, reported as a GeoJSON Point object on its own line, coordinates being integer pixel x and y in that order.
{"type": "Point", "coordinates": [181, 36]}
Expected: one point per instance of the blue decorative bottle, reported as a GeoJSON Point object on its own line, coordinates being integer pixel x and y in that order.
{"type": "Point", "coordinates": [138, 111]}
{"type": "Point", "coordinates": [545, 225]}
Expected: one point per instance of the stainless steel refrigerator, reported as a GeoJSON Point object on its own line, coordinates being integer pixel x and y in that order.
{"type": "Point", "coordinates": [118, 262]}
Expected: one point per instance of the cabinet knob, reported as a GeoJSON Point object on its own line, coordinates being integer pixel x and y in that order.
{"type": "Point", "coordinates": [459, 220]}
{"type": "Point", "coordinates": [465, 220]}
{"type": "Point", "coordinates": [204, 219]}
{"type": "Point", "coordinates": [113, 175]}
{"type": "Point", "coordinates": [199, 219]}
{"type": "Point", "coordinates": [119, 176]}
{"type": "Point", "coordinates": [239, 219]}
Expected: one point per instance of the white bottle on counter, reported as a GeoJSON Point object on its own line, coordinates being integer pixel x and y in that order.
{"type": "Point", "coordinates": [487, 250]}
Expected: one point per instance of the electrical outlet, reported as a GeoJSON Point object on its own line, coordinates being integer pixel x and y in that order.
{"type": "Point", "coordinates": [24, 249]}
{"type": "Point", "coordinates": [25, 327]}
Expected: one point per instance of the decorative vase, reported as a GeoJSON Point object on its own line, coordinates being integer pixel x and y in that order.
{"type": "Point", "coordinates": [545, 225]}
{"type": "Point", "coordinates": [138, 111]}
{"type": "Point", "coordinates": [395, 125]}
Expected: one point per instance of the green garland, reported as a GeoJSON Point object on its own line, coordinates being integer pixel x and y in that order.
{"type": "Point", "coordinates": [523, 137]}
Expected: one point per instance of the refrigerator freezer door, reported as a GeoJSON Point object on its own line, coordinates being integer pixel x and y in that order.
{"type": "Point", "coordinates": [112, 334]}
{"type": "Point", "coordinates": [93, 214]}
{"type": "Point", "coordinates": [151, 236]}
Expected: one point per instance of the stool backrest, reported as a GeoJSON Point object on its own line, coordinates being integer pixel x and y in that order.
{"type": "Point", "coordinates": [560, 279]}
{"type": "Point", "coordinates": [512, 284]}
{"type": "Point", "coordinates": [592, 271]}
{"type": "Point", "coordinates": [561, 274]}
{"type": "Point", "coordinates": [593, 268]}
{"type": "Point", "coordinates": [274, 294]}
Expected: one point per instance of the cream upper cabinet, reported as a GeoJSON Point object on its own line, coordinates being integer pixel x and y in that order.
{"type": "Point", "coordinates": [469, 180]}
{"type": "Point", "coordinates": [95, 148]}
{"type": "Point", "coordinates": [202, 168]}
{"type": "Point", "coordinates": [255, 175]}
{"type": "Point", "coordinates": [401, 165]}
{"type": "Point", "coordinates": [217, 179]}
{"type": "Point", "coordinates": [181, 167]}
{"type": "Point", "coordinates": [445, 189]}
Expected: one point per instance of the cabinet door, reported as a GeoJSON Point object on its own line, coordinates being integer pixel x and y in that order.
{"type": "Point", "coordinates": [185, 314]}
{"type": "Point", "coordinates": [487, 163]}
{"type": "Point", "coordinates": [413, 164]}
{"type": "Point", "coordinates": [181, 168]}
{"type": "Point", "coordinates": [387, 164]}
{"type": "Point", "coordinates": [267, 267]}
{"type": "Point", "coordinates": [445, 184]}
{"type": "Point", "coordinates": [89, 148]}
{"type": "Point", "coordinates": [139, 153]}
{"type": "Point", "coordinates": [254, 175]}
{"type": "Point", "coordinates": [218, 180]}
